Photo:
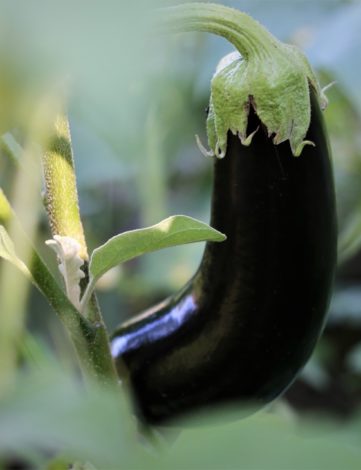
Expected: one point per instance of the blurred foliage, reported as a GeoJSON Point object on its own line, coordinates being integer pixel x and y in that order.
{"type": "Point", "coordinates": [136, 100]}
{"type": "Point", "coordinates": [50, 416]}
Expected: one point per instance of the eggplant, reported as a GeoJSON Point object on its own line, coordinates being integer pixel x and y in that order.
{"type": "Point", "coordinates": [243, 327]}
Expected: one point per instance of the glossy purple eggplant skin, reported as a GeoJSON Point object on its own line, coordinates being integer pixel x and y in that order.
{"type": "Point", "coordinates": [246, 323]}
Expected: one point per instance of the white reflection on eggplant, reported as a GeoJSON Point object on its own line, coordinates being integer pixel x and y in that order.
{"type": "Point", "coordinates": [155, 330]}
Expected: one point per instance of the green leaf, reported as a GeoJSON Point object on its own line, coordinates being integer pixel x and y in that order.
{"type": "Point", "coordinates": [7, 252]}
{"type": "Point", "coordinates": [175, 230]}
{"type": "Point", "coordinates": [50, 412]}
{"type": "Point", "coordinates": [263, 441]}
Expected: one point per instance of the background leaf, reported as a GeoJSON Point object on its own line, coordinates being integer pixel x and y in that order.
{"type": "Point", "coordinates": [82, 423]}
{"type": "Point", "coordinates": [7, 251]}
{"type": "Point", "coordinates": [263, 441]}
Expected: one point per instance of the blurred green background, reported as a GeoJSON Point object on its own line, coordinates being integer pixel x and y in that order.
{"type": "Point", "coordinates": [136, 100]}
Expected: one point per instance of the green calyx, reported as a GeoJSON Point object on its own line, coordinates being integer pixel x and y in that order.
{"type": "Point", "coordinates": [265, 74]}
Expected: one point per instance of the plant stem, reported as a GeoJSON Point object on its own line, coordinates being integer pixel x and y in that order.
{"type": "Point", "coordinates": [89, 341]}
{"type": "Point", "coordinates": [61, 202]}
{"type": "Point", "coordinates": [151, 178]}
{"type": "Point", "coordinates": [273, 78]}
{"type": "Point", "coordinates": [61, 199]}
{"type": "Point", "coordinates": [247, 35]}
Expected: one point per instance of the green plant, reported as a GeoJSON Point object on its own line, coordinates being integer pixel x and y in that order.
{"type": "Point", "coordinates": [84, 320]}
{"type": "Point", "coordinates": [73, 300]}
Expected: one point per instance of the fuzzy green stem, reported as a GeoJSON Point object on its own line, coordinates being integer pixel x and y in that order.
{"type": "Point", "coordinates": [61, 201]}
{"type": "Point", "coordinates": [248, 36]}
{"type": "Point", "coordinates": [151, 178]}
{"type": "Point", "coordinates": [90, 341]}
{"type": "Point", "coordinates": [61, 198]}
